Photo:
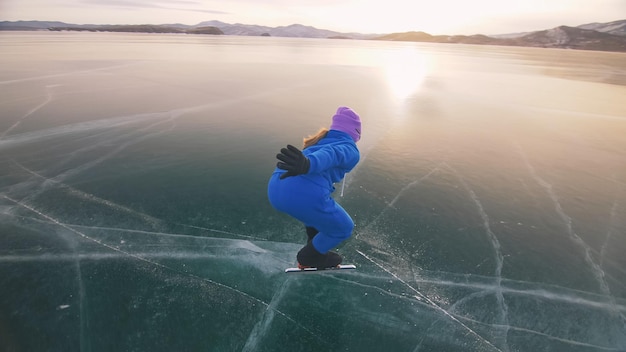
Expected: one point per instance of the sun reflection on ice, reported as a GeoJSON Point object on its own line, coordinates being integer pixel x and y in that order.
{"type": "Point", "coordinates": [405, 70]}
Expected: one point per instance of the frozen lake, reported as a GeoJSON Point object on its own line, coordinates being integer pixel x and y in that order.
{"type": "Point", "coordinates": [490, 200]}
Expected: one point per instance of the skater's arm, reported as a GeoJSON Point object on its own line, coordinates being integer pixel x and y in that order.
{"type": "Point", "coordinates": [344, 156]}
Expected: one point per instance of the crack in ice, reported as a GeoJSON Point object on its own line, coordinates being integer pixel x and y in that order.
{"type": "Point", "coordinates": [159, 265]}
{"type": "Point", "coordinates": [90, 197]}
{"type": "Point", "coordinates": [421, 296]}
{"type": "Point", "coordinates": [596, 270]}
{"type": "Point", "coordinates": [499, 258]}
{"type": "Point", "coordinates": [31, 111]}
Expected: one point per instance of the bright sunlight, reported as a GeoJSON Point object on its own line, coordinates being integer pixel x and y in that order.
{"type": "Point", "coordinates": [405, 70]}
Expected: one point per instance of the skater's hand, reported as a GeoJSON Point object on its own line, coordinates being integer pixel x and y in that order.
{"type": "Point", "coordinates": [292, 160]}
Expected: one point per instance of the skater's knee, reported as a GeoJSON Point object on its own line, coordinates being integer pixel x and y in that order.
{"type": "Point", "coordinates": [344, 230]}
{"type": "Point", "coordinates": [348, 226]}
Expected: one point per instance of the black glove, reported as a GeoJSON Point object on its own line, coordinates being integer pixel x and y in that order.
{"type": "Point", "coordinates": [293, 161]}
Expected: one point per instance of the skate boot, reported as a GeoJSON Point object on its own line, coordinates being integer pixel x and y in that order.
{"type": "Point", "coordinates": [309, 257]}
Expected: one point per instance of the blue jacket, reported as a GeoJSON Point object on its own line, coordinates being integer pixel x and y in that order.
{"type": "Point", "coordinates": [330, 159]}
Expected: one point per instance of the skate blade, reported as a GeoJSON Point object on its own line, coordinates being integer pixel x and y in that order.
{"type": "Point", "coordinates": [310, 269]}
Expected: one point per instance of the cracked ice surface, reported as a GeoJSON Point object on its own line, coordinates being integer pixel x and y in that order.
{"type": "Point", "coordinates": [489, 202]}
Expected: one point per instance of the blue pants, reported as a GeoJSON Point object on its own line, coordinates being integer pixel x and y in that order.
{"type": "Point", "coordinates": [313, 205]}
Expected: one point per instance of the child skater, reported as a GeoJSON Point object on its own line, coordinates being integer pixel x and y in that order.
{"type": "Point", "coordinates": [302, 183]}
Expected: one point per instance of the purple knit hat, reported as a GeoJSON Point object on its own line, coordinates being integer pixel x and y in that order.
{"type": "Point", "coordinates": [348, 121]}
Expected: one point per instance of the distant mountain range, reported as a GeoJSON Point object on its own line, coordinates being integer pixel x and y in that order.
{"type": "Point", "coordinates": [606, 37]}
{"type": "Point", "coordinates": [294, 30]}
{"type": "Point", "coordinates": [609, 36]}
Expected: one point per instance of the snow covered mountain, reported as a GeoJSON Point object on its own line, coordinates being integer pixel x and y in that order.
{"type": "Point", "coordinates": [615, 27]}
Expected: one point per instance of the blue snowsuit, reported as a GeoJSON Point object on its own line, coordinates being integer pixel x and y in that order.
{"type": "Point", "coordinates": [308, 198]}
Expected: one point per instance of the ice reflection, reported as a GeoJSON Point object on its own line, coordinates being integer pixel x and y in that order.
{"type": "Point", "coordinates": [405, 70]}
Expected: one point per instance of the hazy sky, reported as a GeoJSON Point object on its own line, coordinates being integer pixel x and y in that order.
{"type": "Point", "coordinates": [365, 16]}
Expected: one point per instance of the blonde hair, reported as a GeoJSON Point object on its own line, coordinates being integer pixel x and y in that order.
{"type": "Point", "coordinates": [313, 139]}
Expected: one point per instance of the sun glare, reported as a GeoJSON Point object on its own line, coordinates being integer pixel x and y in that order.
{"type": "Point", "coordinates": [405, 70]}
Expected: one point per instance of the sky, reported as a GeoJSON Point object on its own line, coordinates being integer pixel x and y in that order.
{"type": "Point", "coordinates": [363, 16]}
